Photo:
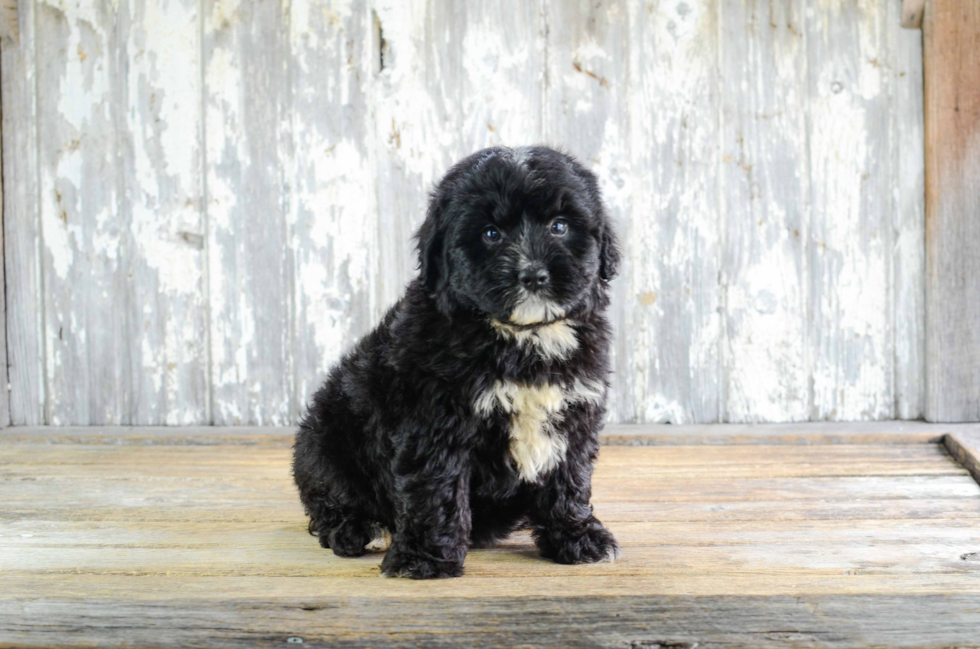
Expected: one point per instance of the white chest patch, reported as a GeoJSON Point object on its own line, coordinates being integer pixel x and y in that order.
{"type": "Point", "coordinates": [537, 444]}
{"type": "Point", "coordinates": [556, 340]}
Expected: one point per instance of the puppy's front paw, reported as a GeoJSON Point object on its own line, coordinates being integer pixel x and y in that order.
{"type": "Point", "coordinates": [593, 544]}
{"type": "Point", "coordinates": [399, 562]}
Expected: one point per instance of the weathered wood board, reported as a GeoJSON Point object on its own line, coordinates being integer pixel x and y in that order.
{"type": "Point", "coordinates": [21, 224]}
{"type": "Point", "coordinates": [908, 274]}
{"type": "Point", "coordinates": [333, 223]}
{"type": "Point", "coordinates": [9, 27]}
{"type": "Point", "coordinates": [798, 434]}
{"type": "Point", "coordinates": [166, 537]}
{"type": "Point", "coordinates": [964, 445]}
{"type": "Point", "coordinates": [119, 213]}
{"type": "Point", "coordinates": [766, 191]}
{"type": "Point", "coordinates": [210, 202]}
{"type": "Point", "coordinates": [4, 393]}
{"type": "Point", "coordinates": [246, 101]}
{"type": "Point", "coordinates": [951, 55]}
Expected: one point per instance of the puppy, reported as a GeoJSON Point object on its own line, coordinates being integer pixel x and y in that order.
{"type": "Point", "coordinates": [474, 407]}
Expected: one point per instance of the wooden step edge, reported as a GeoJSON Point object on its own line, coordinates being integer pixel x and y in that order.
{"type": "Point", "coordinates": [798, 434]}
{"type": "Point", "coordinates": [964, 446]}
{"type": "Point", "coordinates": [801, 434]}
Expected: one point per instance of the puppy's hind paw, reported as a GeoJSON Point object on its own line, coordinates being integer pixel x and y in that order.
{"type": "Point", "coordinates": [402, 563]}
{"type": "Point", "coordinates": [596, 544]}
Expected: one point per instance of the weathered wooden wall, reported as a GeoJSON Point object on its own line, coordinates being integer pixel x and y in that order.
{"type": "Point", "coordinates": [951, 35]}
{"type": "Point", "coordinates": [208, 201]}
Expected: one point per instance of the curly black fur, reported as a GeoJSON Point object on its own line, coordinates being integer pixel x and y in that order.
{"type": "Point", "coordinates": [474, 407]}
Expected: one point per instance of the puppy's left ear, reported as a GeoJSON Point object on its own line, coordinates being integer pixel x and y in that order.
{"type": "Point", "coordinates": [608, 242]}
{"type": "Point", "coordinates": [609, 256]}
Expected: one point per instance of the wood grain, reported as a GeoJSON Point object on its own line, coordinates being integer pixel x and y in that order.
{"type": "Point", "coordinates": [849, 253]}
{"type": "Point", "coordinates": [951, 57]}
{"type": "Point", "coordinates": [9, 28]}
{"type": "Point", "coordinates": [766, 200]}
{"type": "Point", "coordinates": [908, 253]}
{"type": "Point", "coordinates": [162, 149]}
{"type": "Point", "coordinates": [586, 110]}
{"type": "Point", "coordinates": [250, 264]}
{"type": "Point", "coordinates": [332, 221]}
{"type": "Point", "coordinates": [84, 217]}
{"type": "Point", "coordinates": [805, 434]}
{"type": "Point", "coordinates": [4, 392]}
{"type": "Point", "coordinates": [131, 542]}
{"type": "Point", "coordinates": [120, 209]}
{"type": "Point", "coordinates": [912, 12]}
{"type": "Point", "coordinates": [22, 225]}
{"type": "Point", "coordinates": [928, 620]}
{"type": "Point", "coordinates": [671, 331]}
{"type": "Point", "coordinates": [965, 447]}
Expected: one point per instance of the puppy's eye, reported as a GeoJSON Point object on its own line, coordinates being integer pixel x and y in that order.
{"type": "Point", "coordinates": [559, 227]}
{"type": "Point", "coordinates": [491, 234]}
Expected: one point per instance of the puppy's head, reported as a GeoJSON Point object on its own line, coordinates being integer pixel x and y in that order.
{"type": "Point", "coordinates": [518, 234]}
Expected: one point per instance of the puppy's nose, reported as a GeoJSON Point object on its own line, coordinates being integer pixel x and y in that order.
{"type": "Point", "coordinates": [534, 277]}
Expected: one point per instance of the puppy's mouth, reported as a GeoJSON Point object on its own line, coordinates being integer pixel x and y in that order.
{"type": "Point", "coordinates": [534, 310]}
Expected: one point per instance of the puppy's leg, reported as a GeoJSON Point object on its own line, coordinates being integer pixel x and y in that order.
{"type": "Point", "coordinates": [329, 495]}
{"type": "Point", "coordinates": [495, 520]}
{"type": "Point", "coordinates": [349, 538]}
{"type": "Point", "coordinates": [347, 533]}
{"type": "Point", "coordinates": [561, 517]}
{"type": "Point", "coordinates": [433, 515]}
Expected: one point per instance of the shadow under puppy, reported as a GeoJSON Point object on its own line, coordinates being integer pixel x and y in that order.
{"type": "Point", "coordinates": [474, 407]}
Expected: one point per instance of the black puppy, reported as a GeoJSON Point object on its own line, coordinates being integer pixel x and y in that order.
{"type": "Point", "coordinates": [474, 407]}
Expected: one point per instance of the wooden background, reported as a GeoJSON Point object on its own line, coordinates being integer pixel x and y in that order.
{"type": "Point", "coordinates": [206, 202]}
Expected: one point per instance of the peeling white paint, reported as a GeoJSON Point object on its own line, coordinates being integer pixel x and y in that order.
{"type": "Point", "coordinates": [749, 160]}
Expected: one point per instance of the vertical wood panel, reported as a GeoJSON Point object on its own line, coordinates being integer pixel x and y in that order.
{"type": "Point", "coordinates": [673, 258]}
{"type": "Point", "coordinates": [249, 263]}
{"type": "Point", "coordinates": [416, 128]}
{"type": "Point", "coordinates": [766, 208]}
{"type": "Point", "coordinates": [850, 327]}
{"type": "Point", "coordinates": [333, 213]}
{"type": "Point", "coordinates": [908, 251]}
{"type": "Point", "coordinates": [951, 45]}
{"type": "Point", "coordinates": [587, 112]}
{"type": "Point", "coordinates": [504, 78]}
{"type": "Point", "coordinates": [84, 216]}
{"type": "Point", "coordinates": [4, 393]}
{"type": "Point", "coordinates": [120, 208]}
{"type": "Point", "coordinates": [160, 147]}
{"type": "Point", "coordinates": [22, 225]}
{"type": "Point", "coordinates": [456, 78]}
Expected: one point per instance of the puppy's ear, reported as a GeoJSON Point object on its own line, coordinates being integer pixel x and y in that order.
{"type": "Point", "coordinates": [609, 256]}
{"type": "Point", "coordinates": [430, 246]}
{"type": "Point", "coordinates": [608, 242]}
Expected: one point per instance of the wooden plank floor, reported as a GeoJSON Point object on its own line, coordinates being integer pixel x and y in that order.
{"type": "Point", "coordinates": [781, 536]}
